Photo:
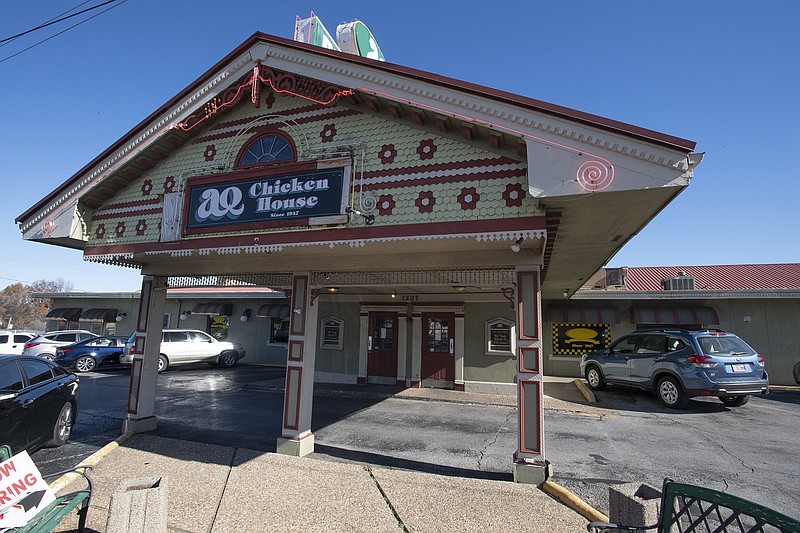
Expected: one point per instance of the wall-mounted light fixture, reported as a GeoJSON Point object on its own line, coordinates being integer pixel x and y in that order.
{"type": "Point", "coordinates": [368, 219]}
{"type": "Point", "coordinates": [459, 288]}
{"type": "Point", "coordinates": [394, 293]}
{"type": "Point", "coordinates": [245, 315]}
{"type": "Point", "coordinates": [121, 317]}
{"type": "Point", "coordinates": [517, 246]}
{"type": "Point", "coordinates": [184, 315]}
{"type": "Point", "coordinates": [566, 293]}
{"type": "Point", "coordinates": [333, 289]}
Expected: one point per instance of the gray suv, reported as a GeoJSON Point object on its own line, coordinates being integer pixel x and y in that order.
{"type": "Point", "coordinates": [180, 346]}
{"type": "Point", "coordinates": [680, 364]}
{"type": "Point", "coordinates": [45, 344]}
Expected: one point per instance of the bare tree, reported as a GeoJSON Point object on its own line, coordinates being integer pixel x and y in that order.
{"type": "Point", "coordinates": [20, 310]}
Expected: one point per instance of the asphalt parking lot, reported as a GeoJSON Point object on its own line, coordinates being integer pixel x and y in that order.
{"type": "Point", "coordinates": [626, 437]}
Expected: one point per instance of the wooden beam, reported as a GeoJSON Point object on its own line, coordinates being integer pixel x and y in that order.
{"type": "Point", "coordinates": [468, 131]}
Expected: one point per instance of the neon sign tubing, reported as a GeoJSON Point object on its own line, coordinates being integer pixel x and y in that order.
{"type": "Point", "coordinates": [490, 124]}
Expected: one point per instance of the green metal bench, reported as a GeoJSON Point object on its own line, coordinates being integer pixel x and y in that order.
{"type": "Point", "coordinates": [689, 509]}
{"type": "Point", "coordinates": [52, 515]}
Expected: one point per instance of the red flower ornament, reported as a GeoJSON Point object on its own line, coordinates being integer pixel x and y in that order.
{"type": "Point", "coordinates": [468, 198]}
{"type": "Point", "coordinates": [425, 202]}
{"type": "Point", "coordinates": [514, 194]}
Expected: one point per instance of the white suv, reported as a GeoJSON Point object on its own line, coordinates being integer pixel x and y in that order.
{"type": "Point", "coordinates": [13, 340]}
{"type": "Point", "coordinates": [179, 346]}
{"type": "Point", "coordinates": [45, 344]}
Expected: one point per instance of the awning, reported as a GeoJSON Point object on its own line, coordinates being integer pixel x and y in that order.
{"type": "Point", "coordinates": [583, 315]}
{"type": "Point", "coordinates": [273, 311]}
{"type": "Point", "coordinates": [65, 313]}
{"type": "Point", "coordinates": [213, 309]}
{"type": "Point", "coordinates": [99, 315]}
{"type": "Point", "coordinates": [674, 315]}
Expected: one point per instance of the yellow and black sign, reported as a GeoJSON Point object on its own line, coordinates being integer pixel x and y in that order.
{"type": "Point", "coordinates": [578, 339]}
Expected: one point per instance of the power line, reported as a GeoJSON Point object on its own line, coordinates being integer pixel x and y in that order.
{"type": "Point", "coordinates": [65, 30]}
{"type": "Point", "coordinates": [51, 22]}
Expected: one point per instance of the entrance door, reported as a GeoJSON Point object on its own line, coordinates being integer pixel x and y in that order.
{"type": "Point", "coordinates": [382, 354]}
{"type": "Point", "coordinates": [438, 350]}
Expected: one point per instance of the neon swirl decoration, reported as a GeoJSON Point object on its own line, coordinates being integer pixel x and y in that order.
{"type": "Point", "coordinates": [592, 176]}
{"type": "Point", "coordinates": [214, 106]}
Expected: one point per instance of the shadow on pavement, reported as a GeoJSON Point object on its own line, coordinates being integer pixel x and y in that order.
{"type": "Point", "coordinates": [321, 451]}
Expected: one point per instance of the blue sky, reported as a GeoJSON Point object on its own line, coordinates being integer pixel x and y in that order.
{"type": "Point", "coordinates": [721, 73]}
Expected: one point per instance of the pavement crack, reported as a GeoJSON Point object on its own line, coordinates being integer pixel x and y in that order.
{"type": "Point", "coordinates": [710, 440]}
{"type": "Point", "coordinates": [400, 523]}
{"type": "Point", "coordinates": [222, 491]}
{"type": "Point", "coordinates": [494, 440]}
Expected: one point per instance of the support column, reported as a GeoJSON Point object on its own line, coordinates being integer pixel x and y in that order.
{"type": "Point", "coordinates": [147, 347]}
{"type": "Point", "coordinates": [459, 353]}
{"type": "Point", "coordinates": [363, 347]}
{"type": "Point", "coordinates": [296, 436]}
{"type": "Point", "coordinates": [416, 349]}
{"type": "Point", "coordinates": [530, 465]}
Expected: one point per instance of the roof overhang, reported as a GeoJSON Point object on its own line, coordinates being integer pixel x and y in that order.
{"type": "Point", "coordinates": [593, 215]}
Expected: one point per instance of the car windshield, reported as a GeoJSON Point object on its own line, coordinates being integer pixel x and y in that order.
{"type": "Point", "coordinates": [725, 346]}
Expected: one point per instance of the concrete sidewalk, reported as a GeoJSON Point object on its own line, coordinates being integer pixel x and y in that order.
{"type": "Point", "coordinates": [221, 489]}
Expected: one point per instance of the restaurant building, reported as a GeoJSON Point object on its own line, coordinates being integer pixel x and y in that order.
{"type": "Point", "coordinates": [414, 222]}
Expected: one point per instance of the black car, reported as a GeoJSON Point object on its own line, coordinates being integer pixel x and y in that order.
{"type": "Point", "coordinates": [38, 403]}
{"type": "Point", "coordinates": [88, 354]}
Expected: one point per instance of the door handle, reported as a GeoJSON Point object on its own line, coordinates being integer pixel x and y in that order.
{"type": "Point", "coordinates": [26, 403]}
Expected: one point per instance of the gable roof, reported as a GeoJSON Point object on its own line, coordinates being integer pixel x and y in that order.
{"type": "Point", "coordinates": [609, 125]}
{"type": "Point", "coordinates": [719, 277]}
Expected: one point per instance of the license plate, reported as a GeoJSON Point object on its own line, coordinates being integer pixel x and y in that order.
{"type": "Point", "coordinates": [739, 368]}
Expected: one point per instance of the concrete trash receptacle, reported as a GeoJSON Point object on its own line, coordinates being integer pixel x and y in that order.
{"type": "Point", "coordinates": [634, 504]}
{"type": "Point", "coordinates": [139, 506]}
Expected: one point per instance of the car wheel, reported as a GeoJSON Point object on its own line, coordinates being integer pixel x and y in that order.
{"type": "Point", "coordinates": [227, 360]}
{"type": "Point", "coordinates": [671, 393]}
{"type": "Point", "coordinates": [63, 426]}
{"type": "Point", "coordinates": [163, 363]}
{"type": "Point", "coordinates": [734, 401]}
{"type": "Point", "coordinates": [595, 378]}
{"type": "Point", "coordinates": [85, 364]}
{"type": "Point", "coordinates": [48, 356]}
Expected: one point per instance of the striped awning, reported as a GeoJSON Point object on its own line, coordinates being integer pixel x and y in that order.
{"type": "Point", "coordinates": [99, 315]}
{"type": "Point", "coordinates": [583, 315]}
{"type": "Point", "coordinates": [65, 313]}
{"type": "Point", "coordinates": [273, 311]}
{"type": "Point", "coordinates": [674, 315]}
{"type": "Point", "coordinates": [213, 309]}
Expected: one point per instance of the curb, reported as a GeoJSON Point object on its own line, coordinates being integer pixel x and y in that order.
{"type": "Point", "coordinates": [92, 461]}
{"type": "Point", "coordinates": [585, 390]}
{"type": "Point", "coordinates": [573, 502]}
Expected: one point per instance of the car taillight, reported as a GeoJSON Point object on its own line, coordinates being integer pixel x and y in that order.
{"type": "Point", "coordinates": [701, 361]}
{"type": "Point", "coordinates": [31, 345]}
{"type": "Point", "coordinates": [760, 361]}
{"type": "Point", "coordinates": [63, 350]}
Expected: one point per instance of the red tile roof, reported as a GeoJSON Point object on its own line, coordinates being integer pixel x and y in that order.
{"type": "Point", "coordinates": [719, 277]}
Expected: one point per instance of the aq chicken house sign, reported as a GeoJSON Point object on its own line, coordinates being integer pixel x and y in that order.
{"type": "Point", "coordinates": [315, 196]}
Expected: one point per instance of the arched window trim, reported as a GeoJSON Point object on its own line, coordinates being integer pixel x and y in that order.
{"type": "Point", "coordinates": [261, 134]}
